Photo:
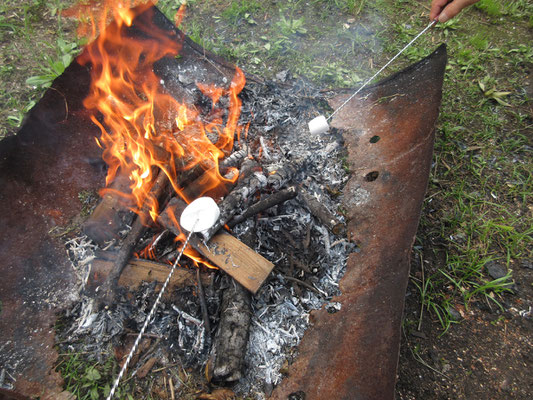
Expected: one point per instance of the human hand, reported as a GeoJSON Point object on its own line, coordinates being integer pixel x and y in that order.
{"type": "Point", "coordinates": [443, 10]}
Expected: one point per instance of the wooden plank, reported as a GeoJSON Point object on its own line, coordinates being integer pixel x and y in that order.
{"type": "Point", "coordinates": [139, 270]}
{"type": "Point", "coordinates": [227, 252]}
{"type": "Point", "coordinates": [242, 263]}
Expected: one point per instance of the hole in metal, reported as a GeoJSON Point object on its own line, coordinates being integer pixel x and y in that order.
{"type": "Point", "coordinates": [371, 176]}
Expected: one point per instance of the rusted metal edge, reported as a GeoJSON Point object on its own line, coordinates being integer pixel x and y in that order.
{"type": "Point", "coordinates": [389, 133]}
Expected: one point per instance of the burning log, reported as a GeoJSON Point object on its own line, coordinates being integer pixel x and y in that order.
{"type": "Point", "coordinates": [235, 158]}
{"type": "Point", "coordinates": [129, 243]}
{"type": "Point", "coordinates": [104, 223]}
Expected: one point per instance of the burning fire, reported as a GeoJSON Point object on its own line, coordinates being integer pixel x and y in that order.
{"type": "Point", "coordinates": [144, 130]}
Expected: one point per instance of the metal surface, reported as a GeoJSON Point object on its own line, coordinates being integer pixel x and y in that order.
{"type": "Point", "coordinates": [353, 354]}
{"type": "Point", "coordinates": [43, 169]}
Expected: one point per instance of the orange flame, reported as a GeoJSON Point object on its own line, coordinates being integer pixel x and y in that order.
{"type": "Point", "coordinates": [144, 130]}
{"type": "Point", "coordinates": [132, 102]}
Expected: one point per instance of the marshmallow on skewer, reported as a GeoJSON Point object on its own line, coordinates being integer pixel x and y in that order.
{"type": "Point", "coordinates": [318, 125]}
{"type": "Point", "coordinates": [200, 215]}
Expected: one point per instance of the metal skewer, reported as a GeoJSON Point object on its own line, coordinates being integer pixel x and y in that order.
{"type": "Point", "coordinates": [201, 214]}
{"type": "Point", "coordinates": [320, 123]}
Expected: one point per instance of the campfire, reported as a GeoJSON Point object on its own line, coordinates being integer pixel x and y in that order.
{"type": "Point", "coordinates": [169, 140]}
{"type": "Point", "coordinates": [153, 121]}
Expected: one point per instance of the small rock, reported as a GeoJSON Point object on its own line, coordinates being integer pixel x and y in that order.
{"type": "Point", "coordinates": [419, 334]}
{"type": "Point", "coordinates": [495, 270]}
{"type": "Point", "coordinates": [456, 315]}
{"type": "Point", "coordinates": [282, 76]}
{"type": "Point", "coordinates": [528, 264]}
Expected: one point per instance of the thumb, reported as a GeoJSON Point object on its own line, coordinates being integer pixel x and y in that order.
{"type": "Point", "coordinates": [452, 9]}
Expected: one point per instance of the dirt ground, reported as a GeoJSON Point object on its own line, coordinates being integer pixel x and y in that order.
{"type": "Point", "coordinates": [488, 354]}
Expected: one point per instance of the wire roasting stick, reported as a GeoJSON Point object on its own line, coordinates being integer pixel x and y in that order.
{"type": "Point", "coordinates": [320, 124]}
{"type": "Point", "coordinates": [198, 218]}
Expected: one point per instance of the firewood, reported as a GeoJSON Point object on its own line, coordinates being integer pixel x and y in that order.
{"type": "Point", "coordinates": [248, 184]}
{"type": "Point", "coordinates": [138, 271]}
{"type": "Point", "coordinates": [232, 334]}
{"type": "Point", "coordinates": [105, 222]}
{"type": "Point", "coordinates": [264, 204]}
{"type": "Point", "coordinates": [227, 252]}
{"type": "Point", "coordinates": [320, 211]}
{"type": "Point", "coordinates": [107, 290]}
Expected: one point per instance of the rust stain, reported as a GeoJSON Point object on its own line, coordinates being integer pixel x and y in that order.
{"type": "Point", "coordinates": [389, 133]}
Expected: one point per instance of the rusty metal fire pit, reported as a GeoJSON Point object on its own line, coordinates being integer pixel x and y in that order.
{"type": "Point", "coordinates": [350, 354]}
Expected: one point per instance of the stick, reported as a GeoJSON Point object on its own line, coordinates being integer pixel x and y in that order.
{"type": "Point", "coordinates": [250, 183]}
{"type": "Point", "coordinates": [125, 252]}
{"type": "Point", "coordinates": [203, 305]}
{"type": "Point", "coordinates": [320, 211]}
{"type": "Point", "coordinates": [307, 285]}
{"type": "Point", "coordinates": [264, 204]}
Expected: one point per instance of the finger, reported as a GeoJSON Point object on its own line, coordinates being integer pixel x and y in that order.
{"type": "Point", "coordinates": [452, 9]}
{"type": "Point", "coordinates": [436, 7]}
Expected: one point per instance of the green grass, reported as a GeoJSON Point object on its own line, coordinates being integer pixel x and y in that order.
{"type": "Point", "coordinates": [90, 380]}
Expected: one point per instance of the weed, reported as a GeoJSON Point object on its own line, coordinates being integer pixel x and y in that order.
{"type": "Point", "coordinates": [54, 67]}
{"type": "Point", "coordinates": [491, 7]}
{"type": "Point", "coordinates": [291, 26]}
{"type": "Point", "coordinates": [89, 380]}
{"type": "Point", "coordinates": [241, 10]}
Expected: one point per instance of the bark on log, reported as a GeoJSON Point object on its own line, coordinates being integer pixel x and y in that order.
{"type": "Point", "coordinates": [232, 335]}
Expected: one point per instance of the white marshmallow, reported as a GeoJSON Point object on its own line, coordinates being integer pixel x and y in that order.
{"type": "Point", "coordinates": [318, 125]}
{"type": "Point", "coordinates": [200, 215]}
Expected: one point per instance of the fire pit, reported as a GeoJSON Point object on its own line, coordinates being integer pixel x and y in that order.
{"type": "Point", "coordinates": [318, 249]}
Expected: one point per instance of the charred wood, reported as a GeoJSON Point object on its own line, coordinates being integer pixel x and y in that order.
{"type": "Point", "coordinates": [235, 159]}
{"type": "Point", "coordinates": [137, 271]}
{"type": "Point", "coordinates": [232, 334]}
{"type": "Point", "coordinates": [128, 245]}
{"type": "Point", "coordinates": [105, 222]}
{"type": "Point", "coordinates": [248, 184]}
{"type": "Point", "coordinates": [264, 204]}
{"type": "Point", "coordinates": [283, 174]}
{"type": "Point", "coordinates": [203, 304]}
{"type": "Point", "coordinates": [321, 212]}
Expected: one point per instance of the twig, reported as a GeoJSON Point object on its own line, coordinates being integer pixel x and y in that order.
{"type": "Point", "coordinates": [203, 305]}
{"type": "Point", "coordinates": [264, 204]}
{"type": "Point", "coordinates": [171, 389]}
{"type": "Point", "coordinates": [423, 290]}
{"type": "Point", "coordinates": [307, 285]}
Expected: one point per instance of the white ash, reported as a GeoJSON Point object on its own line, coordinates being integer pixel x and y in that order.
{"type": "Point", "coordinates": [280, 314]}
